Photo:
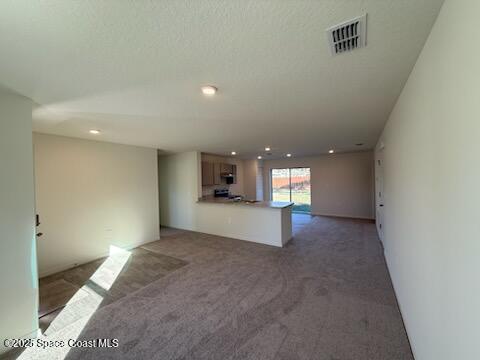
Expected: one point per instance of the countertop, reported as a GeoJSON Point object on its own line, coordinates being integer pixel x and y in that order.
{"type": "Point", "coordinates": [258, 204]}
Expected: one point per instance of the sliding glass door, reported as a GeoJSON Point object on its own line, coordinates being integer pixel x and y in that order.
{"type": "Point", "coordinates": [292, 184]}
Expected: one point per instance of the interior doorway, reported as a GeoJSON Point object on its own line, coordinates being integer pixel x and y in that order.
{"type": "Point", "coordinates": [292, 184]}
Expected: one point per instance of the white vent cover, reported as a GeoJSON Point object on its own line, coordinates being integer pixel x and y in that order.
{"type": "Point", "coordinates": [348, 36]}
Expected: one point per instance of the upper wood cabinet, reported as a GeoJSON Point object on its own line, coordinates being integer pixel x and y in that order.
{"type": "Point", "coordinates": [212, 173]}
{"type": "Point", "coordinates": [217, 179]}
{"type": "Point", "coordinates": [234, 173]}
{"type": "Point", "coordinates": [207, 173]}
{"type": "Point", "coordinates": [226, 168]}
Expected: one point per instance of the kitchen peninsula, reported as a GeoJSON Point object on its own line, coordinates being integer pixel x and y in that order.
{"type": "Point", "coordinates": [264, 222]}
{"type": "Point", "coordinates": [189, 201]}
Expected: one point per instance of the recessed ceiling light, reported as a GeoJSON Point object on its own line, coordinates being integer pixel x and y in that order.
{"type": "Point", "coordinates": [331, 151]}
{"type": "Point", "coordinates": [233, 153]}
{"type": "Point", "coordinates": [267, 149]}
{"type": "Point", "coordinates": [289, 155]}
{"type": "Point", "coordinates": [94, 132]}
{"type": "Point", "coordinates": [209, 90]}
{"type": "Point", "coordinates": [259, 157]}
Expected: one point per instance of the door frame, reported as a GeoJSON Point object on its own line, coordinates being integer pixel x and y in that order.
{"type": "Point", "coordinates": [380, 192]}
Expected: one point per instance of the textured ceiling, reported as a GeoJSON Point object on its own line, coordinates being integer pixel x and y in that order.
{"type": "Point", "coordinates": [133, 69]}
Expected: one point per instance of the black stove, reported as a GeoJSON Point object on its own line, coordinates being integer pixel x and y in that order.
{"type": "Point", "coordinates": [221, 193]}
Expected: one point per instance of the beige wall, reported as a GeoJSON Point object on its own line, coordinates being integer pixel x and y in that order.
{"type": "Point", "coordinates": [432, 196]}
{"type": "Point", "coordinates": [91, 195]}
{"type": "Point", "coordinates": [250, 178]}
{"type": "Point", "coordinates": [342, 184]}
{"type": "Point", "coordinates": [18, 262]}
{"type": "Point", "coordinates": [260, 182]}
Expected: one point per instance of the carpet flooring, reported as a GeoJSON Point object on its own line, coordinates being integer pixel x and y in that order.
{"type": "Point", "coordinates": [78, 285]}
{"type": "Point", "coordinates": [326, 296]}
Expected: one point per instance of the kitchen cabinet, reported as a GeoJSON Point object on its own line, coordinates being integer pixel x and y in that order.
{"type": "Point", "coordinates": [207, 173]}
{"type": "Point", "coordinates": [217, 178]}
{"type": "Point", "coordinates": [226, 168]}
{"type": "Point", "coordinates": [229, 169]}
{"type": "Point", "coordinates": [234, 173]}
{"type": "Point", "coordinates": [213, 173]}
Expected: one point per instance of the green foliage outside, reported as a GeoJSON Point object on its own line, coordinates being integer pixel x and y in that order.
{"type": "Point", "coordinates": [301, 199]}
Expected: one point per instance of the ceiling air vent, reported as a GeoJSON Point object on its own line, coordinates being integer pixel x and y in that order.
{"type": "Point", "coordinates": [348, 36]}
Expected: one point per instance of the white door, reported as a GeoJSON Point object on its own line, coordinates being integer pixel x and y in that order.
{"type": "Point", "coordinates": [379, 194]}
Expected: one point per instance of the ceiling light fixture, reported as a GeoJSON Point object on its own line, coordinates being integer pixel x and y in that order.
{"type": "Point", "coordinates": [289, 155]}
{"type": "Point", "coordinates": [259, 157]}
{"type": "Point", "coordinates": [209, 90]}
{"type": "Point", "coordinates": [331, 151]}
{"type": "Point", "coordinates": [94, 132]}
{"type": "Point", "coordinates": [234, 153]}
{"type": "Point", "coordinates": [267, 149]}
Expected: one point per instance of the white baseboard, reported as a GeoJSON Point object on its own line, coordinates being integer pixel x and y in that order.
{"type": "Point", "coordinates": [344, 216]}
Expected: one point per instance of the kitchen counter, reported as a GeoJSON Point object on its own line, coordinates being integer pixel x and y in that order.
{"type": "Point", "coordinates": [251, 203]}
{"type": "Point", "coordinates": [264, 222]}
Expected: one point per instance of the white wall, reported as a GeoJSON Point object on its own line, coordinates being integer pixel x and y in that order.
{"type": "Point", "coordinates": [179, 180]}
{"type": "Point", "coordinates": [341, 184]}
{"type": "Point", "coordinates": [258, 224]}
{"type": "Point", "coordinates": [91, 195]}
{"type": "Point", "coordinates": [432, 196]}
{"type": "Point", "coordinates": [18, 266]}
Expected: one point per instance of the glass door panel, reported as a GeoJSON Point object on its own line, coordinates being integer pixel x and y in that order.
{"type": "Point", "coordinates": [281, 184]}
{"type": "Point", "coordinates": [300, 189]}
{"type": "Point", "coordinates": [292, 184]}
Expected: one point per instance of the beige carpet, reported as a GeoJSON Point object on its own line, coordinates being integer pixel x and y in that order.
{"type": "Point", "coordinates": [76, 286]}
{"type": "Point", "coordinates": [326, 296]}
